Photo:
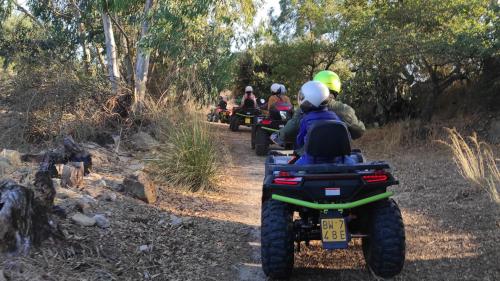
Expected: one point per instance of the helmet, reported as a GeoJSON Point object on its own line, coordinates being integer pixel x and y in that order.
{"type": "Point", "coordinates": [313, 93]}
{"type": "Point", "coordinates": [276, 89]}
{"type": "Point", "coordinates": [283, 89]}
{"type": "Point", "coordinates": [248, 89]}
{"type": "Point", "coordinates": [330, 79]}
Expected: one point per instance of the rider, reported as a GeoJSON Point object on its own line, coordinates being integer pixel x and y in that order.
{"type": "Point", "coordinates": [313, 99]}
{"type": "Point", "coordinates": [278, 92]}
{"type": "Point", "coordinates": [345, 112]}
{"type": "Point", "coordinates": [249, 100]}
{"type": "Point", "coordinates": [222, 103]}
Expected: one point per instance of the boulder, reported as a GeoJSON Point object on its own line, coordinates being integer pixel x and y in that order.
{"type": "Point", "coordinates": [83, 220]}
{"type": "Point", "coordinates": [140, 186]}
{"type": "Point", "coordinates": [143, 141]}
{"type": "Point", "coordinates": [102, 221]}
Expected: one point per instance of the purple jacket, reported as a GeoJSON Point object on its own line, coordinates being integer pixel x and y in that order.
{"type": "Point", "coordinates": [309, 118]}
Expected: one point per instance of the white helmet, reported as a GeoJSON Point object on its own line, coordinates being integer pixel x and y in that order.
{"type": "Point", "coordinates": [313, 92]}
{"type": "Point", "coordinates": [283, 89]}
{"type": "Point", "coordinates": [248, 89]}
{"type": "Point", "coordinates": [276, 88]}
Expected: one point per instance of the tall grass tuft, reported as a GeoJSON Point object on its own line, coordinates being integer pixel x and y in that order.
{"type": "Point", "coordinates": [191, 155]}
{"type": "Point", "coordinates": [475, 161]}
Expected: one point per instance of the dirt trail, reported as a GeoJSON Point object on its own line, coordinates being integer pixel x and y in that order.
{"type": "Point", "coordinates": [449, 235]}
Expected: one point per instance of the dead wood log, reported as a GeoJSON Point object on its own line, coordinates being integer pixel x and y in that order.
{"type": "Point", "coordinates": [70, 151]}
{"type": "Point", "coordinates": [72, 174]}
{"type": "Point", "coordinates": [25, 212]}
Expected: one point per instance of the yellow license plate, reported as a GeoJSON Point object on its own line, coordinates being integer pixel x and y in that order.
{"type": "Point", "coordinates": [247, 120]}
{"type": "Point", "coordinates": [333, 230]}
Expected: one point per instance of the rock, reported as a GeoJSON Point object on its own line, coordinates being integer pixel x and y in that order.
{"type": "Point", "coordinates": [13, 156]}
{"type": "Point", "coordinates": [83, 220]}
{"type": "Point", "coordinates": [108, 196]}
{"type": "Point", "coordinates": [136, 167]}
{"type": "Point", "coordinates": [85, 204]}
{"type": "Point", "coordinates": [143, 141]}
{"type": "Point", "coordinates": [102, 221]}
{"type": "Point", "coordinates": [72, 174]}
{"type": "Point", "coordinates": [116, 186]}
{"type": "Point", "coordinates": [141, 187]}
{"type": "Point", "coordinates": [144, 248]}
{"type": "Point", "coordinates": [175, 220]}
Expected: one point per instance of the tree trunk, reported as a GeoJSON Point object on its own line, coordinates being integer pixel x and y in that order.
{"type": "Point", "coordinates": [100, 57]}
{"type": "Point", "coordinates": [142, 64]}
{"type": "Point", "coordinates": [430, 101]}
{"type": "Point", "coordinates": [111, 56]}
{"type": "Point", "coordinates": [85, 47]}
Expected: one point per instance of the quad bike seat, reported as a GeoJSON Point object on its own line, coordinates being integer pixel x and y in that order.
{"type": "Point", "coordinates": [328, 139]}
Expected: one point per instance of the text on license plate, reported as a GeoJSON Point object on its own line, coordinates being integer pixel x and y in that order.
{"type": "Point", "coordinates": [333, 230]}
{"type": "Point", "coordinates": [247, 120]}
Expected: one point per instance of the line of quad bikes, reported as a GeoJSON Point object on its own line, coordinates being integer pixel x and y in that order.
{"type": "Point", "coordinates": [332, 202]}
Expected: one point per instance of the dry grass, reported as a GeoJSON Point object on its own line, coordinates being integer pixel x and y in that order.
{"type": "Point", "coordinates": [475, 161]}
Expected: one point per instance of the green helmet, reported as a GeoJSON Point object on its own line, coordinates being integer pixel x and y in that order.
{"type": "Point", "coordinates": [330, 79]}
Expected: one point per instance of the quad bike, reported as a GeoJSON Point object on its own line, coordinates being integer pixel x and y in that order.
{"type": "Point", "coordinates": [263, 127]}
{"type": "Point", "coordinates": [244, 115]}
{"type": "Point", "coordinates": [218, 114]}
{"type": "Point", "coordinates": [332, 202]}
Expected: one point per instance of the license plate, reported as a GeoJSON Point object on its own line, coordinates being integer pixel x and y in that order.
{"type": "Point", "coordinates": [247, 120]}
{"type": "Point", "coordinates": [333, 230]}
{"type": "Point", "coordinates": [281, 126]}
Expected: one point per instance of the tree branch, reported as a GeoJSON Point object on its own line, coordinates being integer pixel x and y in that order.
{"type": "Point", "coordinates": [27, 13]}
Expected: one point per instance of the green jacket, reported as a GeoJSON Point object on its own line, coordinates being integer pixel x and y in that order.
{"type": "Point", "coordinates": [345, 112]}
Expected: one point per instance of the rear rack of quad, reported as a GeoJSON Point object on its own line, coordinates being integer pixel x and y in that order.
{"type": "Point", "coordinates": [284, 182]}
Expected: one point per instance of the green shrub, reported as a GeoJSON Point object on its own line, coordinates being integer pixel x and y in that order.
{"type": "Point", "coordinates": [190, 156]}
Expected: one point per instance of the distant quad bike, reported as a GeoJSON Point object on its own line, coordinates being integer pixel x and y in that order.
{"type": "Point", "coordinates": [279, 115]}
{"type": "Point", "coordinates": [243, 115]}
{"type": "Point", "coordinates": [218, 114]}
{"type": "Point", "coordinates": [332, 202]}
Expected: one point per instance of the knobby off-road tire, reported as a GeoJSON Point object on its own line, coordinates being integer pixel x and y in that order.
{"type": "Point", "coordinates": [252, 139]}
{"type": "Point", "coordinates": [277, 239]}
{"type": "Point", "coordinates": [233, 123]}
{"type": "Point", "coordinates": [384, 248]}
{"type": "Point", "coordinates": [261, 143]}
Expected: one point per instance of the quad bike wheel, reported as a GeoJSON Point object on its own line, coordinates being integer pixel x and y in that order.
{"type": "Point", "coordinates": [277, 240]}
{"type": "Point", "coordinates": [233, 123]}
{"type": "Point", "coordinates": [252, 139]}
{"type": "Point", "coordinates": [261, 143]}
{"type": "Point", "coordinates": [384, 248]}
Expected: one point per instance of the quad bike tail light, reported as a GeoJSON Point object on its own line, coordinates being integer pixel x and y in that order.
{"type": "Point", "coordinates": [266, 122]}
{"type": "Point", "coordinates": [377, 177]}
{"type": "Point", "coordinates": [287, 180]}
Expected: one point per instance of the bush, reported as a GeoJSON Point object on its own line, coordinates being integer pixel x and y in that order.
{"type": "Point", "coordinates": [53, 101]}
{"type": "Point", "coordinates": [191, 155]}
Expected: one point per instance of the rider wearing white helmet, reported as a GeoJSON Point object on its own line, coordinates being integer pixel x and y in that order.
{"type": "Point", "coordinates": [278, 95]}
{"type": "Point", "coordinates": [313, 100]}
{"type": "Point", "coordinates": [249, 99]}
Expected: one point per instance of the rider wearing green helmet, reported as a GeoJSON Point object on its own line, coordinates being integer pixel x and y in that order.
{"type": "Point", "coordinates": [345, 112]}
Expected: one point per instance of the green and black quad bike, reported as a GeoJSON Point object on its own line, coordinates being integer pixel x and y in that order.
{"type": "Point", "coordinates": [244, 115]}
{"type": "Point", "coordinates": [330, 202]}
{"type": "Point", "coordinates": [264, 126]}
